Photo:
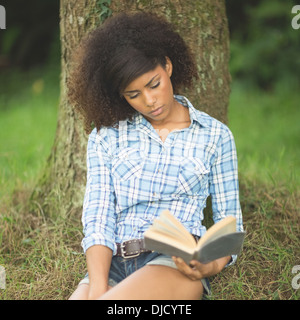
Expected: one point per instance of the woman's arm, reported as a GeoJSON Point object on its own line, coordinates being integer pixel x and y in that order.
{"type": "Point", "coordinates": [223, 182]}
{"type": "Point", "coordinates": [98, 216]}
{"type": "Point", "coordinates": [98, 259]}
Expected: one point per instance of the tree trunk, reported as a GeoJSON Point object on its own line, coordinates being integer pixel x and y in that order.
{"type": "Point", "coordinates": [203, 25]}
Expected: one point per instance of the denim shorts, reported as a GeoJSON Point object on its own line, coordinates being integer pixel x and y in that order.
{"type": "Point", "coordinates": [121, 268]}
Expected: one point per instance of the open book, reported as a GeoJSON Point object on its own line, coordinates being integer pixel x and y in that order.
{"type": "Point", "coordinates": [168, 236]}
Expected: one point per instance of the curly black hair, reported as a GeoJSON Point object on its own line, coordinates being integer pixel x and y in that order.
{"type": "Point", "coordinates": [116, 53]}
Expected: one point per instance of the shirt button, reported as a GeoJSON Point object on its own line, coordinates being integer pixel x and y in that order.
{"type": "Point", "coordinates": [154, 194]}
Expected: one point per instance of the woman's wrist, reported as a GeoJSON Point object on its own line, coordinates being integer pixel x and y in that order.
{"type": "Point", "coordinates": [96, 290]}
{"type": "Point", "coordinates": [98, 263]}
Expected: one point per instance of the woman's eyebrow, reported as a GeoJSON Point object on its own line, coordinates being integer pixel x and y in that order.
{"type": "Point", "coordinates": [146, 85]}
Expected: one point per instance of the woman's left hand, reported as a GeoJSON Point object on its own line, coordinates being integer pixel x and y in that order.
{"type": "Point", "coordinates": [194, 271]}
{"type": "Point", "coordinates": [197, 270]}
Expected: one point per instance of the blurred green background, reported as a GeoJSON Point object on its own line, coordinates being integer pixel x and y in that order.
{"type": "Point", "coordinates": [264, 108]}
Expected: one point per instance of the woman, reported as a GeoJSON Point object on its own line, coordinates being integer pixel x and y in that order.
{"type": "Point", "coordinates": [150, 150]}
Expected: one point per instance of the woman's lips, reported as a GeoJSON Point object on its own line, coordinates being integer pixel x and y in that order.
{"type": "Point", "coordinates": [157, 111]}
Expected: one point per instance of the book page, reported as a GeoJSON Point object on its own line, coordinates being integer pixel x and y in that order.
{"type": "Point", "coordinates": [167, 244]}
{"type": "Point", "coordinates": [167, 218]}
{"type": "Point", "coordinates": [159, 226]}
{"type": "Point", "coordinates": [224, 226]}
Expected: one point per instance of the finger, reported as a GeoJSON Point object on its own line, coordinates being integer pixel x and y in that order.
{"type": "Point", "coordinates": [194, 264]}
{"type": "Point", "coordinates": [185, 269]}
{"type": "Point", "coordinates": [181, 265]}
{"type": "Point", "coordinates": [179, 262]}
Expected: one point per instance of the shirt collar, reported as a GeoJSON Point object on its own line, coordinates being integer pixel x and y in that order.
{"type": "Point", "coordinates": [195, 115]}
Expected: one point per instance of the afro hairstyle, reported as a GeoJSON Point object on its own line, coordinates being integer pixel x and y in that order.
{"type": "Point", "coordinates": [110, 57]}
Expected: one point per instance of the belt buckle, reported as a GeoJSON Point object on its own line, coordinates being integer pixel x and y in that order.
{"type": "Point", "coordinates": [124, 254]}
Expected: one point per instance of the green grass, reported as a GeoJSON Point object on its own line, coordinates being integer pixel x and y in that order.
{"type": "Point", "coordinates": [267, 133]}
{"type": "Point", "coordinates": [28, 109]}
{"type": "Point", "coordinates": [271, 249]}
{"type": "Point", "coordinates": [42, 256]}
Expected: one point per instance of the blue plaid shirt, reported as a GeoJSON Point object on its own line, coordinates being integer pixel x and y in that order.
{"type": "Point", "coordinates": [133, 176]}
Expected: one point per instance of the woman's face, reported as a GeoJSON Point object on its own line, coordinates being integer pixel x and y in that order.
{"type": "Point", "coordinates": [151, 94]}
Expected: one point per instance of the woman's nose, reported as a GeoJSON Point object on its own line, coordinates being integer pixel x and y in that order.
{"type": "Point", "coordinates": [150, 99]}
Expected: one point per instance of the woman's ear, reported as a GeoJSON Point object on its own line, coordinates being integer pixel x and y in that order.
{"type": "Point", "coordinates": [169, 66]}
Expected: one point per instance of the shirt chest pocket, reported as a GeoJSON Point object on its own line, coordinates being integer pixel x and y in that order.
{"type": "Point", "coordinates": [127, 164]}
{"type": "Point", "coordinates": [193, 177]}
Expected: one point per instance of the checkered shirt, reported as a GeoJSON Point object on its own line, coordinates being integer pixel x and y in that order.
{"type": "Point", "coordinates": [132, 176]}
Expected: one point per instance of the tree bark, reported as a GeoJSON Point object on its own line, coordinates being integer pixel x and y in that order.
{"type": "Point", "coordinates": [202, 23]}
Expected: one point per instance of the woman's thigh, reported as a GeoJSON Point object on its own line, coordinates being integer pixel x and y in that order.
{"type": "Point", "coordinates": [156, 282]}
{"type": "Point", "coordinates": [81, 292]}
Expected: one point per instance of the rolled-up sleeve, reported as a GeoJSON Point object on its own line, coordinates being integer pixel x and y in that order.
{"type": "Point", "coordinates": [224, 186]}
{"type": "Point", "coordinates": [98, 217]}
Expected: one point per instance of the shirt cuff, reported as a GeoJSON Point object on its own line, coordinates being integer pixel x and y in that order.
{"type": "Point", "coordinates": [97, 239]}
{"type": "Point", "coordinates": [232, 261]}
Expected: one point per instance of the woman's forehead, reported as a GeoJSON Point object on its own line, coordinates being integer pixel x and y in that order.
{"type": "Point", "coordinates": [145, 79]}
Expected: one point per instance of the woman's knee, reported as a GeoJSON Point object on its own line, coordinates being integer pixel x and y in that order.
{"type": "Point", "coordinates": [81, 292]}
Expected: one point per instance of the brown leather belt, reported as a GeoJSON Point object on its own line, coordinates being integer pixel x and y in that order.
{"type": "Point", "coordinates": [133, 248]}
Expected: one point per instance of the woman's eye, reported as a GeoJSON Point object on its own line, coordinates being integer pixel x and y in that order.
{"type": "Point", "coordinates": [133, 97]}
{"type": "Point", "coordinates": [156, 85]}
{"type": "Point", "coordinates": [137, 94]}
